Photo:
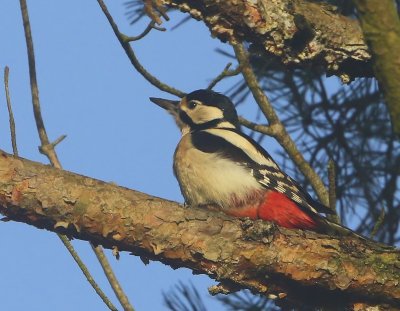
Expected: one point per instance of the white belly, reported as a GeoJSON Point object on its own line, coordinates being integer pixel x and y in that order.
{"type": "Point", "coordinates": [207, 178]}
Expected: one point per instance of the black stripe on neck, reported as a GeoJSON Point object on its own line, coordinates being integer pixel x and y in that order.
{"type": "Point", "coordinates": [207, 125]}
{"type": "Point", "coordinates": [197, 127]}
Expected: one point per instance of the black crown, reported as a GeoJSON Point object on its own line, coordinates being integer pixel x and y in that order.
{"type": "Point", "coordinates": [211, 98]}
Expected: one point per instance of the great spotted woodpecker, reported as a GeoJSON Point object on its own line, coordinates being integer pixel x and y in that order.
{"type": "Point", "coordinates": [217, 165]}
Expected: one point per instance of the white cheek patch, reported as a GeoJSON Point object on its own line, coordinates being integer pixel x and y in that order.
{"type": "Point", "coordinates": [202, 114]}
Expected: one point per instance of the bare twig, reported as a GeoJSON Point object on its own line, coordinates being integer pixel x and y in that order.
{"type": "Point", "coordinates": [86, 272]}
{"type": "Point", "coordinates": [47, 148]}
{"type": "Point", "coordinates": [332, 191]}
{"type": "Point", "coordinates": [184, 20]}
{"type": "Point", "coordinates": [58, 140]}
{"type": "Point", "coordinates": [381, 27]}
{"type": "Point", "coordinates": [378, 223]}
{"type": "Point", "coordinates": [98, 250]}
{"type": "Point", "coordinates": [149, 27]}
{"type": "Point", "coordinates": [34, 86]}
{"type": "Point", "coordinates": [124, 41]}
{"type": "Point", "coordinates": [264, 129]}
{"type": "Point", "coordinates": [154, 9]}
{"type": "Point", "coordinates": [253, 85]}
{"type": "Point", "coordinates": [279, 131]}
{"type": "Point", "coordinates": [225, 73]}
{"type": "Point", "coordinates": [10, 113]}
{"type": "Point", "coordinates": [332, 184]}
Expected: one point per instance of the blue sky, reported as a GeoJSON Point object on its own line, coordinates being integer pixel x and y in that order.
{"type": "Point", "coordinates": [90, 92]}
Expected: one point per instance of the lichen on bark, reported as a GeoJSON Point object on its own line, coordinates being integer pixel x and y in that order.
{"type": "Point", "coordinates": [297, 32]}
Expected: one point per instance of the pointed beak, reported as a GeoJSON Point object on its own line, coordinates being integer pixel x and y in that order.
{"type": "Point", "coordinates": [171, 106]}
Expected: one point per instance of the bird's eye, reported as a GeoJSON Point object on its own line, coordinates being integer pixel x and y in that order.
{"type": "Point", "coordinates": [191, 105]}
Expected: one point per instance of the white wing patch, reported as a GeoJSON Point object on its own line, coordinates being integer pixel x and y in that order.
{"type": "Point", "coordinates": [283, 184]}
{"type": "Point", "coordinates": [265, 170]}
{"type": "Point", "coordinates": [296, 198]}
{"type": "Point", "coordinates": [242, 143]}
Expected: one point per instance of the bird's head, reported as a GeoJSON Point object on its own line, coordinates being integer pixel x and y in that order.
{"type": "Point", "coordinates": [201, 109]}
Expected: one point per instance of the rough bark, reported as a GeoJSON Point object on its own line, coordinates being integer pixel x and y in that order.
{"type": "Point", "coordinates": [297, 32]}
{"type": "Point", "coordinates": [381, 26]}
{"type": "Point", "coordinates": [240, 254]}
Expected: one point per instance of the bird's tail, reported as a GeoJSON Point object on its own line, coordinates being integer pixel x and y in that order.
{"type": "Point", "coordinates": [331, 227]}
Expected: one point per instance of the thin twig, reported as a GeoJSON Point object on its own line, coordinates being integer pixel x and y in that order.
{"type": "Point", "coordinates": [180, 23]}
{"type": "Point", "coordinates": [58, 140]}
{"type": "Point", "coordinates": [124, 41]}
{"type": "Point", "coordinates": [149, 27]}
{"type": "Point", "coordinates": [264, 129]}
{"type": "Point", "coordinates": [86, 272]}
{"type": "Point", "coordinates": [279, 131]}
{"type": "Point", "coordinates": [225, 73]}
{"type": "Point", "coordinates": [154, 9]}
{"type": "Point", "coordinates": [378, 223]}
{"type": "Point", "coordinates": [33, 80]}
{"type": "Point", "coordinates": [10, 113]}
{"type": "Point", "coordinates": [332, 184]}
{"type": "Point", "coordinates": [332, 191]}
{"type": "Point", "coordinates": [112, 278]}
{"type": "Point", "coordinates": [47, 148]}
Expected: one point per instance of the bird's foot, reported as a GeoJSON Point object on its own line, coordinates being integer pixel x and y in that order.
{"type": "Point", "coordinates": [258, 230]}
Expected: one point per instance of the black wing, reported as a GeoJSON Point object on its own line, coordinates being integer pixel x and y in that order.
{"type": "Point", "coordinates": [243, 150]}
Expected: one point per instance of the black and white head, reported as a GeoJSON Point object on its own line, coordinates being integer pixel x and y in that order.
{"type": "Point", "coordinates": [201, 109]}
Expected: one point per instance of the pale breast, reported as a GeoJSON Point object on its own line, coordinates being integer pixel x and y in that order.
{"type": "Point", "coordinates": [208, 178]}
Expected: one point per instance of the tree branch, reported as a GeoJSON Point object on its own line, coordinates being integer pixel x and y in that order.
{"type": "Point", "coordinates": [297, 32]}
{"type": "Point", "coordinates": [381, 25]}
{"type": "Point", "coordinates": [279, 130]}
{"type": "Point", "coordinates": [125, 43]}
{"type": "Point", "coordinates": [86, 272]}
{"type": "Point", "coordinates": [10, 112]}
{"type": "Point", "coordinates": [240, 254]}
{"type": "Point", "coordinates": [225, 73]}
{"type": "Point", "coordinates": [48, 149]}
{"type": "Point", "coordinates": [112, 278]}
